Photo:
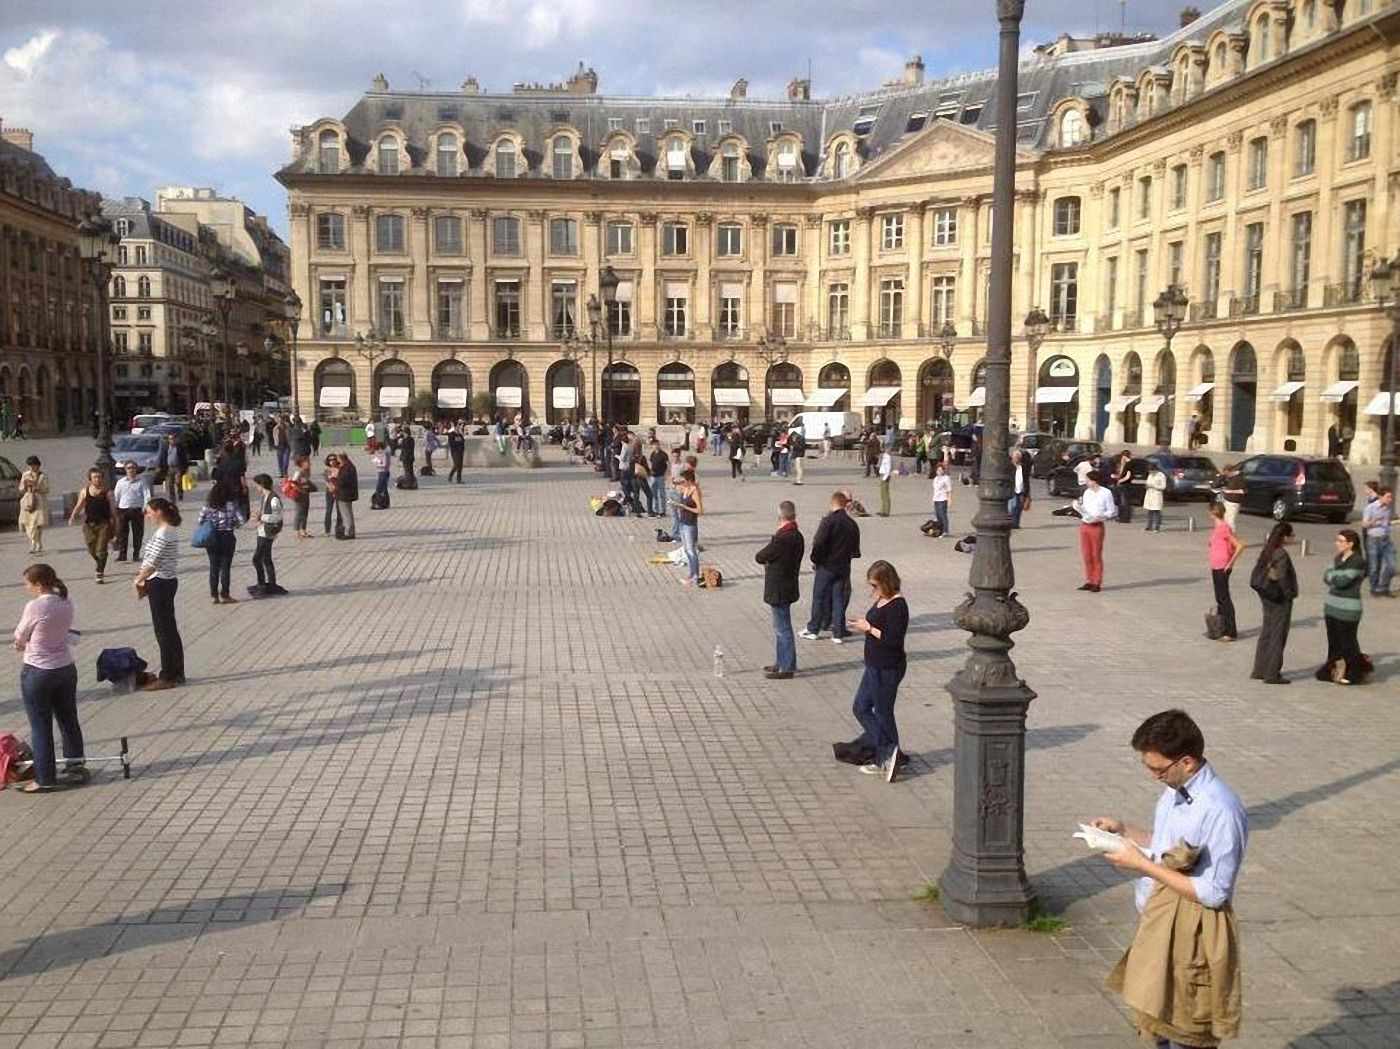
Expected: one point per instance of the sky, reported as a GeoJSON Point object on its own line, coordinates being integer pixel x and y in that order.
{"type": "Point", "coordinates": [123, 98]}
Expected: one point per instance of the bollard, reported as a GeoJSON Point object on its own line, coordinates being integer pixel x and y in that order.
{"type": "Point", "coordinates": [1303, 549]}
{"type": "Point", "coordinates": [1191, 523]}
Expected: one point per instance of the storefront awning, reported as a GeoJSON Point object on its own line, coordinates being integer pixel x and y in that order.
{"type": "Point", "coordinates": [673, 398]}
{"type": "Point", "coordinates": [1199, 390]}
{"type": "Point", "coordinates": [507, 396]}
{"type": "Point", "coordinates": [786, 395]}
{"type": "Point", "coordinates": [393, 396]}
{"type": "Point", "coordinates": [335, 397]}
{"type": "Point", "coordinates": [878, 396]}
{"type": "Point", "coordinates": [825, 396]}
{"type": "Point", "coordinates": [1338, 390]}
{"type": "Point", "coordinates": [1150, 405]}
{"type": "Point", "coordinates": [1055, 394]}
{"type": "Point", "coordinates": [564, 397]}
{"type": "Point", "coordinates": [1122, 403]}
{"type": "Point", "coordinates": [978, 398]}
{"type": "Point", "coordinates": [1377, 405]}
{"type": "Point", "coordinates": [452, 397]}
{"type": "Point", "coordinates": [1284, 391]}
{"type": "Point", "coordinates": [732, 397]}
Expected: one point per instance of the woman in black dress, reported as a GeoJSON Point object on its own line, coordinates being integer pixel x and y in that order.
{"type": "Point", "coordinates": [1274, 580]}
{"type": "Point", "coordinates": [884, 627]}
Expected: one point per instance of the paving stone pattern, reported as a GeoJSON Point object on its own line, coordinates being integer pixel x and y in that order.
{"type": "Point", "coordinates": [475, 784]}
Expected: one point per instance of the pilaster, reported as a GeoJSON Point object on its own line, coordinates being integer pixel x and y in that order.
{"type": "Point", "coordinates": [967, 264]}
{"type": "Point", "coordinates": [420, 325]}
{"type": "Point", "coordinates": [534, 309]}
{"type": "Point", "coordinates": [913, 288]}
{"type": "Point", "coordinates": [361, 318]}
{"type": "Point", "coordinates": [478, 302]}
{"type": "Point", "coordinates": [1326, 243]}
{"type": "Point", "coordinates": [755, 322]}
{"type": "Point", "coordinates": [644, 294]}
{"type": "Point", "coordinates": [702, 250]}
{"type": "Point", "coordinates": [860, 287]}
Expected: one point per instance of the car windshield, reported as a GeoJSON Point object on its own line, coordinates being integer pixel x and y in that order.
{"type": "Point", "coordinates": [149, 420]}
{"type": "Point", "coordinates": [1327, 472]}
{"type": "Point", "coordinates": [137, 444]}
{"type": "Point", "coordinates": [1194, 462]}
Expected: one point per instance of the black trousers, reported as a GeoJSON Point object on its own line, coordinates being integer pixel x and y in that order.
{"type": "Point", "coordinates": [160, 593]}
{"type": "Point", "coordinates": [262, 562]}
{"type": "Point", "coordinates": [135, 522]}
{"type": "Point", "coordinates": [1342, 644]}
{"type": "Point", "coordinates": [1224, 605]}
{"type": "Point", "coordinates": [220, 551]}
{"type": "Point", "coordinates": [456, 470]}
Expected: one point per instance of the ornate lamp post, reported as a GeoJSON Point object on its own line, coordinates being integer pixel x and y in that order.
{"type": "Point", "coordinates": [1169, 312]}
{"type": "Point", "coordinates": [1036, 326]}
{"type": "Point", "coordinates": [292, 307]}
{"type": "Point", "coordinates": [607, 285]}
{"type": "Point", "coordinates": [985, 882]}
{"type": "Point", "coordinates": [370, 345]}
{"type": "Point", "coordinates": [773, 349]}
{"type": "Point", "coordinates": [225, 292]}
{"type": "Point", "coordinates": [1385, 280]}
{"type": "Point", "coordinates": [947, 339]}
{"type": "Point", "coordinates": [97, 243]}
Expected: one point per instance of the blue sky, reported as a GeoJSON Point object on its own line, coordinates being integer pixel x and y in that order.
{"type": "Point", "coordinates": [125, 97]}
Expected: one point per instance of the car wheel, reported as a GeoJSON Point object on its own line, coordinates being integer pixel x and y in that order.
{"type": "Point", "coordinates": [1280, 510]}
{"type": "Point", "coordinates": [1340, 517]}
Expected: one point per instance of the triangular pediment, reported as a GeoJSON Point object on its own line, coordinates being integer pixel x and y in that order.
{"type": "Point", "coordinates": [941, 147]}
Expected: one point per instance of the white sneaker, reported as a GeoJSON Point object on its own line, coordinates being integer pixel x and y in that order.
{"type": "Point", "coordinates": [837, 640]}
{"type": "Point", "coordinates": [873, 769]}
{"type": "Point", "coordinates": [807, 634]}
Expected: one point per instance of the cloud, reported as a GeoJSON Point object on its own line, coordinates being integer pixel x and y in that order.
{"type": "Point", "coordinates": [24, 58]}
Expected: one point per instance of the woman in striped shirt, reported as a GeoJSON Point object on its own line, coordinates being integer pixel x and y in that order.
{"type": "Point", "coordinates": [157, 581]}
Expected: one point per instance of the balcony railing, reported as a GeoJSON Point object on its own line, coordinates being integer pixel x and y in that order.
{"type": "Point", "coordinates": [889, 331]}
{"type": "Point", "coordinates": [838, 333]}
{"type": "Point", "coordinates": [1297, 299]}
{"type": "Point", "coordinates": [506, 331]}
{"type": "Point", "coordinates": [1346, 294]}
{"type": "Point", "coordinates": [563, 331]}
{"type": "Point", "coordinates": [335, 331]}
{"type": "Point", "coordinates": [1066, 323]}
{"type": "Point", "coordinates": [1359, 147]}
{"type": "Point", "coordinates": [729, 334]}
{"type": "Point", "coordinates": [1244, 305]}
{"type": "Point", "coordinates": [1206, 310]}
{"type": "Point", "coordinates": [676, 333]}
{"type": "Point", "coordinates": [1104, 322]}
{"type": "Point", "coordinates": [450, 332]}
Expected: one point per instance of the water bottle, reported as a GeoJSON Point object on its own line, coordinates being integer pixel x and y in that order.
{"type": "Point", "coordinates": [719, 661]}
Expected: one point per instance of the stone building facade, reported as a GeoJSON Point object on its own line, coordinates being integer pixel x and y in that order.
{"type": "Point", "coordinates": [780, 253]}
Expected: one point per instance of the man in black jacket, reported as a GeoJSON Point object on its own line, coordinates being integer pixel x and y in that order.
{"type": "Point", "coordinates": [347, 493]}
{"type": "Point", "coordinates": [456, 448]}
{"type": "Point", "coordinates": [782, 560]}
{"type": "Point", "coordinates": [835, 545]}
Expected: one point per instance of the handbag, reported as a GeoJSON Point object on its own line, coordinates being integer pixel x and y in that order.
{"type": "Point", "coordinates": [203, 535]}
{"type": "Point", "coordinates": [188, 481]}
{"type": "Point", "coordinates": [1271, 590]}
{"type": "Point", "coordinates": [1215, 624]}
{"type": "Point", "coordinates": [290, 489]}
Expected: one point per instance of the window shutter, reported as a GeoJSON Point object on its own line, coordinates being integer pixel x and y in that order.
{"type": "Point", "coordinates": [785, 293]}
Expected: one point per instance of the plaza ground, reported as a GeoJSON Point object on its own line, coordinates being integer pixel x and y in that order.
{"type": "Point", "coordinates": [475, 784]}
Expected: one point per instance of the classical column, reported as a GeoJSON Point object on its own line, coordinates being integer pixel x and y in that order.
{"type": "Point", "coordinates": [1326, 241]}
{"type": "Point", "coordinates": [644, 295]}
{"type": "Point", "coordinates": [754, 322]}
{"type": "Point", "coordinates": [967, 265]}
{"type": "Point", "coordinates": [809, 298]}
{"type": "Point", "coordinates": [1277, 235]}
{"type": "Point", "coordinates": [1231, 258]}
{"type": "Point", "coordinates": [478, 307]}
{"type": "Point", "coordinates": [913, 288]}
{"type": "Point", "coordinates": [420, 321]}
{"type": "Point", "coordinates": [860, 287]}
{"type": "Point", "coordinates": [535, 307]}
{"type": "Point", "coordinates": [361, 316]}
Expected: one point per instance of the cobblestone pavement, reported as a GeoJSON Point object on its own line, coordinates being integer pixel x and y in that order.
{"type": "Point", "coordinates": [475, 784]}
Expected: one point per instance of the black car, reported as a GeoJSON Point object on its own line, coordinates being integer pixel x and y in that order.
{"type": "Point", "coordinates": [1062, 480]}
{"type": "Point", "coordinates": [1285, 486]}
{"type": "Point", "coordinates": [1052, 455]}
{"type": "Point", "coordinates": [1188, 476]}
{"type": "Point", "coordinates": [759, 435]}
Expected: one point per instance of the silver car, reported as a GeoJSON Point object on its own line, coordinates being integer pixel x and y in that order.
{"type": "Point", "coordinates": [142, 449]}
{"type": "Point", "coordinates": [9, 492]}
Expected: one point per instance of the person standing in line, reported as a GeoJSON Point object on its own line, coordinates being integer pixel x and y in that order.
{"type": "Point", "coordinates": [1334, 442]}
{"type": "Point", "coordinates": [300, 483]}
{"type": "Point", "coordinates": [282, 444]}
{"type": "Point", "coordinates": [689, 509]}
{"type": "Point", "coordinates": [641, 472]}
{"type": "Point", "coordinates": [736, 457]}
{"type": "Point", "coordinates": [328, 480]}
{"type": "Point", "coordinates": [1376, 521]}
{"type": "Point", "coordinates": [430, 445]}
{"type": "Point", "coordinates": [131, 495]}
{"type": "Point", "coordinates": [884, 625]}
{"type": "Point", "coordinates": [835, 545]}
{"type": "Point", "coordinates": [1193, 429]}
{"type": "Point", "coordinates": [379, 455]}
{"type": "Point", "coordinates": [826, 440]}
{"type": "Point", "coordinates": [886, 471]}
{"type": "Point", "coordinates": [269, 427]}
{"type": "Point", "coordinates": [498, 430]}
{"type": "Point", "coordinates": [1274, 580]}
{"type": "Point", "coordinates": [347, 493]}
{"type": "Point", "coordinates": [173, 462]}
{"type": "Point", "coordinates": [1153, 496]}
{"type": "Point", "coordinates": [1181, 974]}
{"type": "Point", "coordinates": [1095, 506]}
{"type": "Point", "coordinates": [659, 466]}
{"type": "Point", "coordinates": [797, 451]}
{"type": "Point", "coordinates": [871, 452]}
{"type": "Point", "coordinates": [99, 515]}
{"type": "Point", "coordinates": [48, 680]}
{"type": "Point", "coordinates": [1341, 610]}
{"type": "Point", "coordinates": [269, 521]}
{"type": "Point", "coordinates": [34, 503]}
{"type": "Point", "coordinates": [782, 561]}
{"type": "Point", "coordinates": [406, 450]}
{"type": "Point", "coordinates": [1225, 550]}
{"type": "Point", "coordinates": [1020, 487]}
{"type": "Point", "coordinates": [313, 434]}
{"type": "Point", "coordinates": [456, 451]}
{"type": "Point", "coordinates": [157, 582]}
{"type": "Point", "coordinates": [942, 496]}
{"type": "Point", "coordinates": [257, 436]}
{"type": "Point", "coordinates": [1122, 486]}
{"type": "Point", "coordinates": [221, 510]}
{"type": "Point", "coordinates": [300, 437]}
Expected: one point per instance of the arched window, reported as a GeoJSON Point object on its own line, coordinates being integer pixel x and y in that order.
{"type": "Point", "coordinates": [505, 159]}
{"type": "Point", "coordinates": [842, 166]}
{"type": "Point", "coordinates": [1297, 364]}
{"type": "Point", "coordinates": [118, 287]}
{"type": "Point", "coordinates": [328, 157]}
{"type": "Point", "coordinates": [143, 288]}
{"type": "Point", "coordinates": [1067, 217]}
{"type": "Point", "coordinates": [1261, 37]}
{"type": "Point", "coordinates": [1071, 129]}
{"type": "Point", "coordinates": [1217, 62]}
{"type": "Point", "coordinates": [447, 155]}
{"type": "Point", "coordinates": [563, 157]}
{"type": "Point", "coordinates": [388, 155]}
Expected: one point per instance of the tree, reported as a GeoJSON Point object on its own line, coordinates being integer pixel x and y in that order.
{"type": "Point", "coordinates": [422, 405]}
{"type": "Point", "coordinates": [483, 405]}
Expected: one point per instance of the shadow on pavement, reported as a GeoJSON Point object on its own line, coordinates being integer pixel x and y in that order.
{"type": "Point", "coordinates": [1364, 1011]}
{"type": "Point", "coordinates": [1036, 739]}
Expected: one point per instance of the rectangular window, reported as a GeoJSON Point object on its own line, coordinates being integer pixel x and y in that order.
{"type": "Point", "coordinates": [675, 238]}
{"type": "Point", "coordinates": [619, 311]}
{"type": "Point", "coordinates": [388, 233]}
{"type": "Point", "coordinates": [676, 306]}
{"type": "Point", "coordinates": [563, 157]}
{"type": "Point", "coordinates": [1110, 285]}
{"type": "Point", "coordinates": [505, 235]}
{"type": "Point", "coordinates": [505, 160]}
{"type": "Point", "coordinates": [563, 308]}
{"type": "Point", "coordinates": [945, 227]}
{"type": "Point", "coordinates": [143, 343]}
{"type": "Point", "coordinates": [729, 166]}
{"type": "Point", "coordinates": [118, 313]}
{"type": "Point", "coordinates": [330, 231]}
{"type": "Point", "coordinates": [388, 157]}
{"type": "Point", "coordinates": [563, 237]}
{"type": "Point", "coordinates": [1354, 248]}
{"type": "Point", "coordinates": [839, 238]}
{"type": "Point", "coordinates": [614, 123]}
{"type": "Point", "coordinates": [140, 257]}
{"type": "Point", "coordinates": [1301, 263]}
{"type": "Point", "coordinates": [1178, 187]}
{"type": "Point", "coordinates": [1176, 263]}
{"type": "Point", "coordinates": [1305, 155]}
{"type": "Point", "coordinates": [785, 310]}
{"type": "Point", "coordinates": [670, 122]}
{"type": "Point", "coordinates": [1115, 199]}
{"type": "Point", "coordinates": [731, 310]}
{"type": "Point", "coordinates": [619, 238]}
{"type": "Point", "coordinates": [391, 307]}
{"type": "Point", "coordinates": [943, 302]}
{"type": "Point", "coordinates": [143, 313]}
{"type": "Point", "coordinates": [119, 341]}
{"type": "Point", "coordinates": [447, 234]}
{"type": "Point", "coordinates": [784, 240]}
{"type": "Point", "coordinates": [1216, 181]}
{"type": "Point", "coordinates": [724, 126]}
{"type": "Point", "coordinates": [838, 310]}
{"type": "Point", "coordinates": [449, 309]}
{"type": "Point", "coordinates": [1253, 265]}
{"type": "Point", "coordinates": [447, 158]}
{"type": "Point", "coordinates": [507, 309]}
{"type": "Point", "coordinates": [1144, 210]}
{"type": "Point", "coordinates": [1258, 163]}
{"type": "Point", "coordinates": [729, 240]}
{"type": "Point", "coordinates": [1359, 144]}
{"type": "Point", "coordinates": [1212, 270]}
{"type": "Point", "coordinates": [891, 232]}
{"type": "Point", "coordinates": [643, 125]}
{"type": "Point", "coordinates": [697, 127]}
{"type": "Point", "coordinates": [1066, 216]}
{"type": "Point", "coordinates": [329, 161]}
{"type": "Point", "coordinates": [1064, 295]}
{"type": "Point", "coordinates": [333, 318]}
{"type": "Point", "coordinates": [891, 308]}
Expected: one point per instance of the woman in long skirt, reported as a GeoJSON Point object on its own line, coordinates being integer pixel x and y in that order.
{"type": "Point", "coordinates": [1341, 612]}
{"type": "Point", "coordinates": [1274, 580]}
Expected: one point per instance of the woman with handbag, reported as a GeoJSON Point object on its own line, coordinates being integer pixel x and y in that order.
{"type": "Point", "coordinates": [33, 504]}
{"type": "Point", "coordinates": [1341, 610]}
{"type": "Point", "coordinates": [269, 525]}
{"type": "Point", "coordinates": [297, 488]}
{"type": "Point", "coordinates": [329, 476]}
{"type": "Point", "coordinates": [157, 582]}
{"type": "Point", "coordinates": [1274, 580]}
{"type": "Point", "coordinates": [99, 515]}
{"type": "Point", "coordinates": [219, 518]}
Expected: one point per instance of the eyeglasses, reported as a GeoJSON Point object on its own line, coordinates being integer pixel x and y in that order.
{"type": "Point", "coordinates": [1158, 773]}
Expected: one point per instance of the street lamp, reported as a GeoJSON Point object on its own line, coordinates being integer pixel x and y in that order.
{"type": "Point", "coordinates": [1036, 326]}
{"type": "Point", "coordinates": [607, 285]}
{"type": "Point", "coordinates": [1169, 312]}
{"type": "Point", "coordinates": [225, 291]}
{"type": "Point", "coordinates": [985, 882]}
{"type": "Point", "coordinates": [947, 339]}
{"type": "Point", "coordinates": [292, 306]}
{"type": "Point", "coordinates": [1385, 280]}
{"type": "Point", "coordinates": [369, 345]}
{"type": "Point", "coordinates": [97, 243]}
{"type": "Point", "coordinates": [772, 350]}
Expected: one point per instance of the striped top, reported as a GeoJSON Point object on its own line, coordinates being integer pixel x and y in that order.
{"type": "Point", "coordinates": [161, 552]}
{"type": "Point", "coordinates": [1343, 579]}
{"type": "Point", "coordinates": [225, 518]}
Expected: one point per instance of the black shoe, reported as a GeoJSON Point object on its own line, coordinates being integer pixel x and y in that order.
{"type": "Point", "coordinates": [1087, 586]}
{"type": "Point", "coordinates": [778, 675]}
{"type": "Point", "coordinates": [1095, 589]}
{"type": "Point", "coordinates": [1277, 681]}
{"type": "Point", "coordinates": [257, 590]}
{"type": "Point", "coordinates": [771, 669]}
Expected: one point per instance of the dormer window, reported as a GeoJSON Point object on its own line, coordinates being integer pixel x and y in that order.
{"type": "Point", "coordinates": [505, 159]}
{"type": "Point", "coordinates": [788, 170]}
{"type": "Point", "coordinates": [729, 163]}
{"type": "Point", "coordinates": [388, 156]}
{"type": "Point", "coordinates": [328, 153]}
{"type": "Point", "coordinates": [563, 157]}
{"type": "Point", "coordinates": [1071, 129]}
{"type": "Point", "coordinates": [447, 155]}
{"type": "Point", "coordinates": [675, 158]}
{"type": "Point", "coordinates": [841, 162]}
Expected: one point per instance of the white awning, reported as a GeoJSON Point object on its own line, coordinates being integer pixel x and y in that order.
{"type": "Point", "coordinates": [1199, 390]}
{"type": "Point", "coordinates": [786, 395]}
{"type": "Point", "coordinates": [393, 396]}
{"type": "Point", "coordinates": [1284, 391]}
{"type": "Point", "coordinates": [784, 292]}
{"type": "Point", "coordinates": [564, 397]}
{"type": "Point", "coordinates": [1055, 394]}
{"type": "Point", "coordinates": [1150, 405]}
{"type": "Point", "coordinates": [452, 397]}
{"type": "Point", "coordinates": [1377, 405]}
{"type": "Point", "coordinates": [1338, 390]}
{"type": "Point", "coordinates": [731, 397]}
{"type": "Point", "coordinates": [1122, 403]}
{"type": "Point", "coordinates": [335, 397]}
{"type": "Point", "coordinates": [825, 396]}
{"type": "Point", "coordinates": [624, 291]}
{"type": "Point", "coordinates": [507, 396]}
{"type": "Point", "coordinates": [677, 289]}
{"type": "Point", "coordinates": [878, 396]}
{"type": "Point", "coordinates": [978, 398]}
{"type": "Point", "coordinates": [674, 398]}
{"type": "Point", "coordinates": [731, 290]}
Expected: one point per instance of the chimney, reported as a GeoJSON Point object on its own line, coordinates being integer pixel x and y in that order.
{"type": "Point", "coordinates": [740, 89]}
{"type": "Point", "coordinates": [1189, 15]}
{"type": "Point", "coordinates": [379, 83]}
{"type": "Point", "coordinates": [17, 136]}
{"type": "Point", "coordinates": [470, 86]}
{"type": "Point", "coordinates": [799, 90]}
{"type": "Point", "coordinates": [914, 71]}
{"type": "Point", "coordinates": [583, 82]}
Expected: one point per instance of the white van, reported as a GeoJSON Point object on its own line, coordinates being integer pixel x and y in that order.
{"type": "Point", "coordinates": [842, 427]}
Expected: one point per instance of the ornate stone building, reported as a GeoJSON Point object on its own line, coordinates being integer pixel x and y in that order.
{"type": "Point", "coordinates": [779, 253]}
{"type": "Point", "coordinates": [48, 342]}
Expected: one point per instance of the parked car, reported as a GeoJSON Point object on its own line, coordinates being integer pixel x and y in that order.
{"type": "Point", "coordinates": [142, 449]}
{"type": "Point", "coordinates": [1188, 476]}
{"type": "Point", "coordinates": [9, 492]}
{"type": "Point", "coordinates": [1052, 455]}
{"type": "Point", "coordinates": [1032, 443]}
{"type": "Point", "coordinates": [141, 423]}
{"type": "Point", "coordinates": [761, 433]}
{"type": "Point", "coordinates": [1063, 481]}
{"type": "Point", "coordinates": [1285, 486]}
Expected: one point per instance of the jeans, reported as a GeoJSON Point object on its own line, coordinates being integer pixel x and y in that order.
{"type": "Point", "coordinates": [220, 551]}
{"type": "Point", "coordinates": [940, 514]}
{"type": "Point", "coordinates": [284, 458]}
{"type": "Point", "coordinates": [1224, 604]}
{"type": "Point", "coordinates": [330, 511]}
{"type": "Point", "coordinates": [133, 521]}
{"type": "Point", "coordinates": [346, 510]}
{"type": "Point", "coordinates": [658, 495]}
{"type": "Point", "coordinates": [831, 593]}
{"type": "Point", "coordinates": [717, 445]}
{"type": "Point", "coordinates": [690, 542]}
{"type": "Point", "coordinates": [1381, 554]}
{"type": "Point", "coordinates": [1013, 507]}
{"type": "Point", "coordinates": [262, 562]}
{"type": "Point", "coordinates": [629, 492]}
{"type": "Point", "coordinates": [874, 709]}
{"type": "Point", "coordinates": [160, 593]}
{"type": "Point", "coordinates": [786, 660]}
{"type": "Point", "coordinates": [303, 504]}
{"type": "Point", "coordinates": [381, 484]}
{"type": "Point", "coordinates": [784, 460]}
{"type": "Point", "coordinates": [49, 696]}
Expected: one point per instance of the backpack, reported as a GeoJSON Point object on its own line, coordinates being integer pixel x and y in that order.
{"type": "Point", "coordinates": [610, 508]}
{"type": "Point", "coordinates": [932, 529]}
{"type": "Point", "coordinates": [379, 501]}
{"type": "Point", "coordinates": [407, 482]}
{"type": "Point", "coordinates": [966, 545]}
{"type": "Point", "coordinates": [1215, 624]}
{"type": "Point", "coordinates": [14, 751]}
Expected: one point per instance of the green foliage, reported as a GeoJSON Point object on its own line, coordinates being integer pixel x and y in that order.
{"type": "Point", "coordinates": [928, 894]}
{"type": "Point", "coordinates": [1043, 921]}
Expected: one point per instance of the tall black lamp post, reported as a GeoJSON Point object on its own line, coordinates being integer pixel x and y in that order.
{"type": "Point", "coordinates": [225, 292]}
{"type": "Point", "coordinates": [292, 308]}
{"type": "Point", "coordinates": [985, 882]}
{"type": "Point", "coordinates": [607, 285]}
{"type": "Point", "coordinates": [97, 243]}
{"type": "Point", "coordinates": [947, 339]}
{"type": "Point", "coordinates": [1385, 280]}
{"type": "Point", "coordinates": [773, 349]}
{"type": "Point", "coordinates": [1036, 326]}
{"type": "Point", "coordinates": [1168, 315]}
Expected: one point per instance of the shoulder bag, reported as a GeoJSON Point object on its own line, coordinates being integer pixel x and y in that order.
{"type": "Point", "coordinates": [203, 535]}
